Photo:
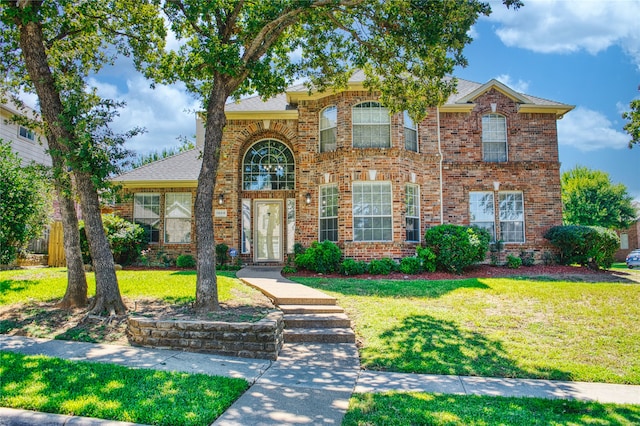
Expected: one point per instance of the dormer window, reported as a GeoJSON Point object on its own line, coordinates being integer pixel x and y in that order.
{"type": "Point", "coordinates": [494, 138]}
{"type": "Point", "coordinates": [371, 126]}
{"type": "Point", "coordinates": [410, 133]}
{"type": "Point", "coordinates": [328, 129]}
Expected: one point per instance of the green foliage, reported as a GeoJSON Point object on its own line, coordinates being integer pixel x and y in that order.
{"type": "Point", "coordinates": [185, 261]}
{"type": "Point", "coordinates": [126, 239]}
{"type": "Point", "coordinates": [513, 262]}
{"type": "Point", "coordinates": [589, 198]}
{"type": "Point", "coordinates": [383, 266]}
{"type": "Point", "coordinates": [548, 258]}
{"type": "Point", "coordinates": [589, 246]}
{"type": "Point", "coordinates": [222, 253]}
{"type": "Point", "coordinates": [457, 247]}
{"type": "Point", "coordinates": [24, 203]}
{"type": "Point", "coordinates": [427, 258]}
{"type": "Point", "coordinates": [298, 249]}
{"type": "Point", "coordinates": [410, 265]}
{"type": "Point", "coordinates": [496, 252]}
{"type": "Point", "coordinates": [321, 257]}
{"type": "Point", "coordinates": [527, 258]}
{"type": "Point", "coordinates": [633, 122]}
{"type": "Point", "coordinates": [353, 267]}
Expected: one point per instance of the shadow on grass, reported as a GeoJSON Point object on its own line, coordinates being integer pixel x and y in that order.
{"type": "Point", "coordinates": [390, 288]}
{"type": "Point", "coordinates": [433, 409]}
{"type": "Point", "coordinates": [424, 344]}
{"type": "Point", "coordinates": [15, 286]}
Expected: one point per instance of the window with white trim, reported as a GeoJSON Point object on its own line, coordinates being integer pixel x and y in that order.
{"type": "Point", "coordinates": [372, 211]}
{"type": "Point", "coordinates": [371, 125]}
{"type": "Point", "coordinates": [328, 213]}
{"type": "Point", "coordinates": [146, 213]}
{"type": "Point", "coordinates": [413, 212]}
{"type": "Point", "coordinates": [328, 129]}
{"type": "Point", "coordinates": [245, 245]}
{"type": "Point", "coordinates": [268, 166]}
{"type": "Point", "coordinates": [410, 133]}
{"type": "Point", "coordinates": [494, 138]}
{"type": "Point", "coordinates": [511, 209]}
{"type": "Point", "coordinates": [177, 217]}
{"type": "Point", "coordinates": [482, 213]}
{"type": "Point", "coordinates": [25, 133]}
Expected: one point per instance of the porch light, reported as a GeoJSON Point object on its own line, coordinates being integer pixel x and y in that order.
{"type": "Point", "coordinates": [496, 186]}
{"type": "Point", "coordinates": [307, 198]}
{"type": "Point", "coordinates": [221, 199]}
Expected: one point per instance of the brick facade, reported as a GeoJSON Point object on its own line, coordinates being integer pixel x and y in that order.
{"type": "Point", "coordinates": [447, 166]}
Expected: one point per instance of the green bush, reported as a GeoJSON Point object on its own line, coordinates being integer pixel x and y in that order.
{"type": "Point", "coordinates": [590, 246]}
{"type": "Point", "coordinates": [513, 262]}
{"type": "Point", "coordinates": [383, 266]}
{"type": "Point", "coordinates": [427, 258]}
{"type": "Point", "coordinates": [527, 258]}
{"type": "Point", "coordinates": [321, 257]}
{"type": "Point", "coordinates": [222, 254]}
{"type": "Point", "coordinates": [410, 265]}
{"type": "Point", "coordinates": [185, 261]}
{"type": "Point", "coordinates": [353, 267]}
{"type": "Point", "coordinates": [457, 247]}
{"type": "Point", "coordinates": [126, 239]}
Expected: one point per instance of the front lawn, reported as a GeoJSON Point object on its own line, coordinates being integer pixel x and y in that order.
{"type": "Point", "coordinates": [114, 392]}
{"type": "Point", "coordinates": [501, 327]}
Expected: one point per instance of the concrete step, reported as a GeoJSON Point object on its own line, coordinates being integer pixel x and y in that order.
{"type": "Point", "coordinates": [310, 309]}
{"type": "Point", "coordinates": [304, 300]}
{"type": "Point", "coordinates": [320, 335]}
{"type": "Point", "coordinates": [332, 320]}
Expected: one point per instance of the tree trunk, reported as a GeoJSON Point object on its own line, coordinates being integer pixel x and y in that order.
{"type": "Point", "coordinates": [206, 284]}
{"type": "Point", "coordinates": [35, 57]}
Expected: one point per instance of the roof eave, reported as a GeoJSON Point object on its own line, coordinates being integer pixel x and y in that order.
{"type": "Point", "coordinates": [558, 110]}
{"type": "Point", "coordinates": [295, 96]}
{"type": "Point", "coordinates": [262, 115]}
{"type": "Point", "coordinates": [157, 183]}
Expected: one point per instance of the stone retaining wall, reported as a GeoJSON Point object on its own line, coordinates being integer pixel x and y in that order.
{"type": "Point", "coordinates": [262, 339]}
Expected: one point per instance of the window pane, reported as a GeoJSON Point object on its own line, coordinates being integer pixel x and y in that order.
{"type": "Point", "coordinates": [371, 126]}
{"type": "Point", "coordinates": [511, 211]}
{"type": "Point", "coordinates": [177, 212]}
{"type": "Point", "coordinates": [268, 165]}
{"type": "Point", "coordinates": [410, 133]}
{"type": "Point", "coordinates": [146, 213]}
{"type": "Point", "coordinates": [246, 225]}
{"type": "Point", "coordinates": [329, 213]}
{"type": "Point", "coordinates": [481, 211]}
{"type": "Point", "coordinates": [372, 211]}
{"type": "Point", "coordinates": [413, 212]}
{"type": "Point", "coordinates": [494, 138]}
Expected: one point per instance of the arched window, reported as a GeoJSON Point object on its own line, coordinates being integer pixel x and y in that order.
{"type": "Point", "coordinates": [371, 125]}
{"type": "Point", "coordinates": [267, 166]}
{"type": "Point", "coordinates": [494, 138]}
{"type": "Point", "coordinates": [328, 129]}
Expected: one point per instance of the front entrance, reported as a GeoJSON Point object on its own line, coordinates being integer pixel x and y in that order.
{"type": "Point", "coordinates": [267, 227]}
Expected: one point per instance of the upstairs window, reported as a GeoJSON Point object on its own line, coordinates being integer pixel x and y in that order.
{"type": "Point", "coordinates": [268, 166]}
{"type": "Point", "coordinates": [494, 138]}
{"type": "Point", "coordinates": [410, 133]}
{"type": "Point", "coordinates": [25, 133]}
{"type": "Point", "coordinates": [146, 213]}
{"type": "Point", "coordinates": [328, 129]}
{"type": "Point", "coordinates": [371, 126]}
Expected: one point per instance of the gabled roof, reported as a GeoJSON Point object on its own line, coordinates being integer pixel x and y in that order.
{"type": "Point", "coordinates": [180, 170]}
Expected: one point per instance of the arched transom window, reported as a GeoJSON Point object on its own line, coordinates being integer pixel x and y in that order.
{"type": "Point", "coordinates": [268, 165]}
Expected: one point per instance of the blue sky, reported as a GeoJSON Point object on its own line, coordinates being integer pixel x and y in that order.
{"type": "Point", "coordinates": [584, 53]}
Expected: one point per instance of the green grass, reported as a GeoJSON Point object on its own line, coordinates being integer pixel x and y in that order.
{"type": "Point", "coordinates": [495, 327]}
{"type": "Point", "coordinates": [430, 409]}
{"type": "Point", "coordinates": [114, 392]}
{"type": "Point", "coordinates": [23, 285]}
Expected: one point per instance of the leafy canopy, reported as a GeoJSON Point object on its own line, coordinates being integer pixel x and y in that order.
{"type": "Point", "coordinates": [589, 198]}
{"type": "Point", "coordinates": [633, 122]}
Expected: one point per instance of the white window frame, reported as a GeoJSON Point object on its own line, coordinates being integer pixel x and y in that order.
{"type": "Point", "coordinates": [410, 129]}
{"type": "Point", "coordinates": [494, 138]}
{"type": "Point", "coordinates": [328, 126]}
{"type": "Point", "coordinates": [370, 115]}
{"type": "Point", "coordinates": [482, 212]}
{"type": "Point", "coordinates": [183, 219]}
{"type": "Point", "coordinates": [377, 214]}
{"type": "Point", "coordinates": [511, 216]}
{"type": "Point", "coordinates": [328, 211]}
{"type": "Point", "coordinates": [145, 216]}
{"type": "Point", "coordinates": [268, 165]}
{"type": "Point", "coordinates": [245, 246]}
{"type": "Point", "coordinates": [412, 201]}
{"type": "Point", "coordinates": [26, 133]}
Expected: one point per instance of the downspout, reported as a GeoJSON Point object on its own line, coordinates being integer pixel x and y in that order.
{"type": "Point", "coordinates": [441, 160]}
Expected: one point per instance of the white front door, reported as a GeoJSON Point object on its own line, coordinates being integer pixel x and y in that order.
{"type": "Point", "coordinates": [268, 230]}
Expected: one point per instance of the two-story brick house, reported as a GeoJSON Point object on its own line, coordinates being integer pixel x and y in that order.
{"type": "Point", "coordinates": [303, 166]}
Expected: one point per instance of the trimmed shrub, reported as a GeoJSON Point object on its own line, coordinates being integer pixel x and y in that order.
{"type": "Point", "coordinates": [457, 247]}
{"type": "Point", "coordinates": [321, 257]}
{"type": "Point", "coordinates": [513, 262]}
{"type": "Point", "coordinates": [353, 267]}
{"type": "Point", "coordinates": [126, 239]}
{"type": "Point", "coordinates": [383, 266]}
{"type": "Point", "coordinates": [427, 258]}
{"type": "Point", "coordinates": [185, 261]}
{"type": "Point", "coordinates": [527, 258]}
{"type": "Point", "coordinates": [222, 254]}
{"type": "Point", "coordinates": [590, 246]}
{"type": "Point", "coordinates": [410, 265]}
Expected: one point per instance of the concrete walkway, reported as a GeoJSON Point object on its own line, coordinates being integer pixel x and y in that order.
{"type": "Point", "coordinates": [310, 383]}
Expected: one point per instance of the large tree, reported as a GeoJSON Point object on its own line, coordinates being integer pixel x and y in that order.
{"type": "Point", "coordinates": [50, 48]}
{"type": "Point", "coordinates": [633, 121]}
{"type": "Point", "coordinates": [590, 198]}
{"type": "Point", "coordinates": [234, 47]}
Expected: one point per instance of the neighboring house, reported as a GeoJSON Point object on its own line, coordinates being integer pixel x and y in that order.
{"type": "Point", "coordinates": [303, 166]}
{"type": "Point", "coordinates": [27, 142]}
{"type": "Point", "coordinates": [629, 238]}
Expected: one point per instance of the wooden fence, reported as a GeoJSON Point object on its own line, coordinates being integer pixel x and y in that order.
{"type": "Point", "coordinates": [56, 245]}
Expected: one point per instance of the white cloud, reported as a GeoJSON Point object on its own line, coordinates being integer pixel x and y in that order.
{"type": "Point", "coordinates": [588, 130]}
{"type": "Point", "coordinates": [519, 86]}
{"type": "Point", "coordinates": [561, 26]}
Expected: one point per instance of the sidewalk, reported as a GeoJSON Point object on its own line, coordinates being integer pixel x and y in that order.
{"type": "Point", "coordinates": [310, 383]}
